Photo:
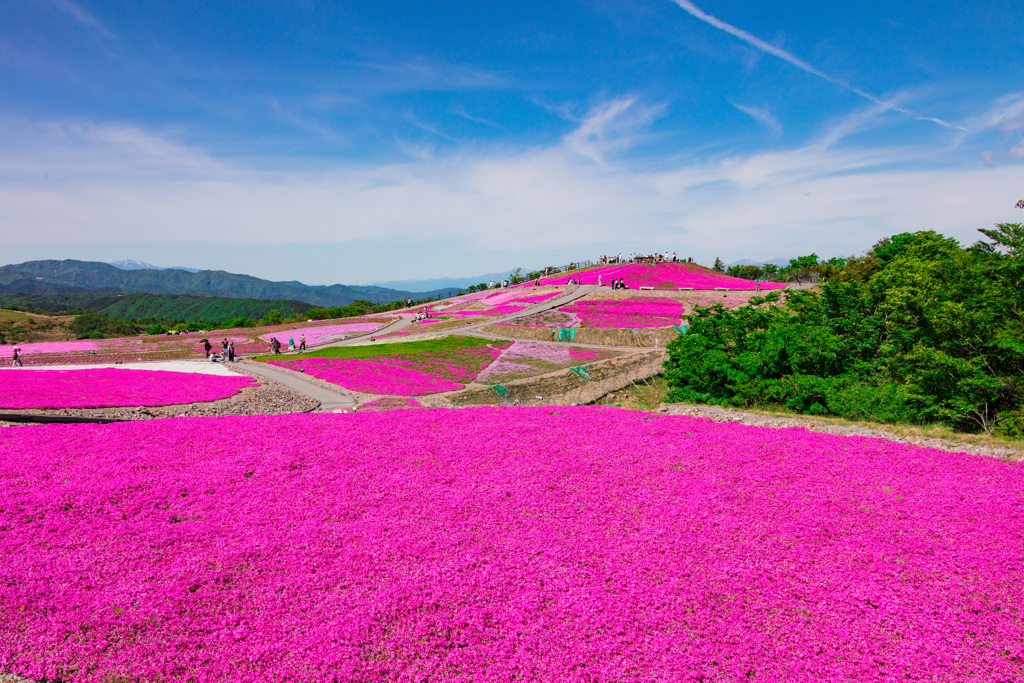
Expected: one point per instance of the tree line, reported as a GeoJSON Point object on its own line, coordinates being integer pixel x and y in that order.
{"type": "Point", "coordinates": [919, 330]}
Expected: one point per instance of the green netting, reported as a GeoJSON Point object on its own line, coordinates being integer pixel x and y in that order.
{"type": "Point", "coordinates": [582, 372]}
{"type": "Point", "coordinates": [567, 334]}
{"type": "Point", "coordinates": [681, 329]}
{"type": "Point", "coordinates": [502, 391]}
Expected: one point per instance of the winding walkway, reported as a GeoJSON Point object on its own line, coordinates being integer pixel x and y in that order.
{"type": "Point", "coordinates": [329, 400]}
{"type": "Point", "coordinates": [335, 400]}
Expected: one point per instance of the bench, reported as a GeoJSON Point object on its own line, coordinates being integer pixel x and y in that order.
{"type": "Point", "coordinates": [649, 289]}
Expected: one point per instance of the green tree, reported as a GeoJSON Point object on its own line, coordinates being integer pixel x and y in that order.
{"type": "Point", "coordinates": [718, 267]}
{"type": "Point", "coordinates": [919, 330]}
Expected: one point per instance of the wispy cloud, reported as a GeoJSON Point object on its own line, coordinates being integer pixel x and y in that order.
{"type": "Point", "coordinates": [461, 111]}
{"type": "Point", "coordinates": [107, 180]}
{"type": "Point", "coordinates": [1005, 114]}
{"type": "Point", "coordinates": [306, 123]}
{"type": "Point", "coordinates": [80, 15]}
{"type": "Point", "coordinates": [770, 49]}
{"type": "Point", "coordinates": [433, 130]}
{"type": "Point", "coordinates": [610, 126]}
{"type": "Point", "coordinates": [763, 116]}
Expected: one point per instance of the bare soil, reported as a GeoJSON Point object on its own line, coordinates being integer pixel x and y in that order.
{"type": "Point", "coordinates": [719, 414]}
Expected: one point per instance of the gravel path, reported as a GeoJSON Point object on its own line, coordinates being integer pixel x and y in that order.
{"type": "Point", "coordinates": [719, 414]}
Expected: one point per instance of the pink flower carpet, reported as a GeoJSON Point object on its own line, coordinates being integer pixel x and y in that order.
{"type": "Point", "coordinates": [322, 334]}
{"type": "Point", "coordinates": [660, 276]}
{"type": "Point", "coordinates": [640, 312]}
{"type": "Point", "coordinates": [550, 544]}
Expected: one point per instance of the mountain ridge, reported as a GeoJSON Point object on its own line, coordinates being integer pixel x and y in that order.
{"type": "Point", "coordinates": [70, 276]}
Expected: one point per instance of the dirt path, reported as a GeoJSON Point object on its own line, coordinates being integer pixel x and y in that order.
{"type": "Point", "coordinates": [719, 414]}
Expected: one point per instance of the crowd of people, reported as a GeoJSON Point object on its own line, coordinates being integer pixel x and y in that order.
{"type": "Point", "coordinates": [227, 352]}
{"type": "Point", "coordinates": [649, 259]}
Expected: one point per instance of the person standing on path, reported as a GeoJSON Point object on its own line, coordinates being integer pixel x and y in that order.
{"type": "Point", "coordinates": [224, 347]}
{"type": "Point", "coordinates": [207, 346]}
{"type": "Point", "coordinates": [291, 343]}
{"type": "Point", "coordinates": [302, 342]}
{"type": "Point", "coordinates": [17, 357]}
{"type": "Point", "coordinates": [231, 352]}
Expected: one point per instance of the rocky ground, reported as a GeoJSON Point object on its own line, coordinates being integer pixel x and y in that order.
{"type": "Point", "coordinates": [725, 415]}
{"type": "Point", "coordinates": [269, 398]}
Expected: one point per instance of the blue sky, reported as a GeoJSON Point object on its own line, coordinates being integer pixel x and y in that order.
{"type": "Point", "coordinates": [364, 141]}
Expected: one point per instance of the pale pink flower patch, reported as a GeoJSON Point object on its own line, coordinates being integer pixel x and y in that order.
{"type": "Point", "coordinates": [110, 387]}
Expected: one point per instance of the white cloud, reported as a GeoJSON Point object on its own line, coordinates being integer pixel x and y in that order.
{"type": "Point", "coordinates": [1005, 114]}
{"type": "Point", "coordinates": [120, 184]}
{"type": "Point", "coordinates": [762, 116]}
{"type": "Point", "coordinates": [609, 127]}
{"type": "Point", "coordinates": [76, 12]}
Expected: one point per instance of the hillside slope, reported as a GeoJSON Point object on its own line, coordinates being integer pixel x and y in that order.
{"type": "Point", "coordinates": [70, 276]}
{"type": "Point", "coordinates": [144, 305]}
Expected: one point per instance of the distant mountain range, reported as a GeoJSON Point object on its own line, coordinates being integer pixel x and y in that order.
{"type": "Point", "coordinates": [71, 276]}
{"type": "Point", "coordinates": [747, 262]}
{"type": "Point", "coordinates": [443, 282]}
{"type": "Point", "coordinates": [132, 264]}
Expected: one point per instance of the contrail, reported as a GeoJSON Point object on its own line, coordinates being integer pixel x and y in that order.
{"type": "Point", "coordinates": [756, 42]}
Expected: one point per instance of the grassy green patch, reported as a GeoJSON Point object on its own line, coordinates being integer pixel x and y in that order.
{"type": "Point", "coordinates": [644, 394]}
{"type": "Point", "coordinates": [449, 343]}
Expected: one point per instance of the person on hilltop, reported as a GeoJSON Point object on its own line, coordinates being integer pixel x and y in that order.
{"type": "Point", "coordinates": [302, 342]}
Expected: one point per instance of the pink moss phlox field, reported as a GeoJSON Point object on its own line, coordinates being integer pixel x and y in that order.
{"type": "Point", "coordinates": [109, 387]}
{"type": "Point", "coordinates": [490, 544]}
{"type": "Point", "coordinates": [369, 376]}
{"type": "Point", "coordinates": [550, 318]}
{"type": "Point", "coordinates": [391, 403]}
{"type": "Point", "coordinates": [526, 358]}
{"type": "Point", "coordinates": [626, 313]}
{"type": "Point", "coordinates": [79, 345]}
{"type": "Point", "coordinates": [323, 334]}
{"type": "Point", "coordinates": [164, 347]}
{"type": "Point", "coordinates": [661, 276]}
{"type": "Point", "coordinates": [459, 365]}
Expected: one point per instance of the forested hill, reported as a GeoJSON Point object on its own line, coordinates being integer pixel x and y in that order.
{"type": "Point", "coordinates": [147, 306]}
{"type": "Point", "coordinates": [70, 276]}
{"type": "Point", "coordinates": [921, 330]}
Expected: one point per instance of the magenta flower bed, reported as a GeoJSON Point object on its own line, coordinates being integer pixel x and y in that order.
{"type": "Point", "coordinates": [370, 377]}
{"type": "Point", "coordinates": [109, 387]}
{"type": "Point", "coordinates": [322, 334]}
{"type": "Point", "coordinates": [76, 346]}
{"type": "Point", "coordinates": [626, 313]}
{"type": "Point", "coordinates": [554, 544]}
{"type": "Point", "coordinates": [661, 276]}
{"type": "Point", "coordinates": [502, 309]}
{"type": "Point", "coordinates": [391, 403]}
{"type": "Point", "coordinates": [527, 358]}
